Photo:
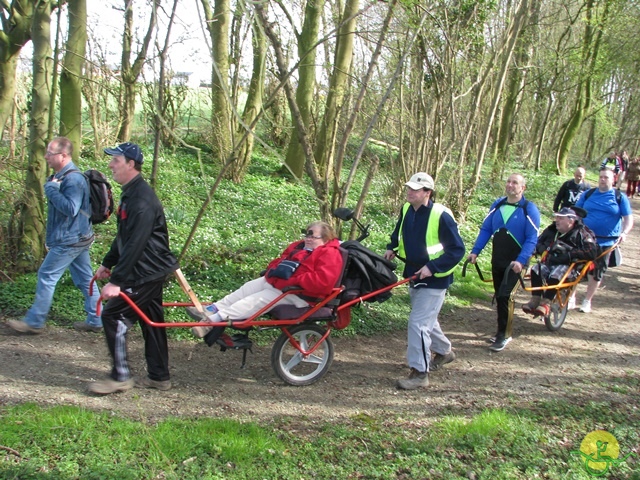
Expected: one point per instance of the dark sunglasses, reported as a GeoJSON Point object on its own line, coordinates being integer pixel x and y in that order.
{"type": "Point", "coordinates": [309, 234]}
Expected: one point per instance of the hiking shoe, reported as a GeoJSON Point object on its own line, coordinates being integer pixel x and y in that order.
{"type": "Point", "coordinates": [543, 309]}
{"type": "Point", "coordinates": [586, 306]}
{"type": "Point", "coordinates": [147, 382]}
{"type": "Point", "coordinates": [439, 360]}
{"type": "Point", "coordinates": [499, 344]}
{"type": "Point", "coordinates": [105, 387]}
{"type": "Point", "coordinates": [85, 327]}
{"type": "Point", "coordinates": [21, 326]}
{"type": "Point", "coordinates": [572, 303]}
{"type": "Point", "coordinates": [415, 380]}
{"type": "Point", "coordinates": [531, 305]}
{"type": "Point", "coordinates": [197, 315]}
{"type": "Point", "coordinates": [200, 332]}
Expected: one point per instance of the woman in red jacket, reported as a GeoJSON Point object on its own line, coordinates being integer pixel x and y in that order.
{"type": "Point", "coordinates": [313, 264]}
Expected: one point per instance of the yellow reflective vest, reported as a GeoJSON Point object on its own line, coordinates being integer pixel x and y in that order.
{"type": "Point", "coordinates": [435, 249]}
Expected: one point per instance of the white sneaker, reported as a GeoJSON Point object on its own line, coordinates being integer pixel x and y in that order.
{"type": "Point", "coordinates": [572, 303]}
{"type": "Point", "coordinates": [586, 306]}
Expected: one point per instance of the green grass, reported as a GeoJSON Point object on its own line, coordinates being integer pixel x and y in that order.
{"type": "Point", "coordinates": [540, 442]}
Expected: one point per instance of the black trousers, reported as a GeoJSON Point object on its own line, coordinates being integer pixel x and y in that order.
{"type": "Point", "coordinates": [118, 317]}
{"type": "Point", "coordinates": [505, 285]}
{"type": "Point", "coordinates": [536, 281]}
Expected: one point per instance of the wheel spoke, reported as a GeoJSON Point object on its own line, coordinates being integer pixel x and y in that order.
{"type": "Point", "coordinates": [304, 345]}
{"type": "Point", "coordinates": [293, 361]}
{"type": "Point", "coordinates": [313, 359]}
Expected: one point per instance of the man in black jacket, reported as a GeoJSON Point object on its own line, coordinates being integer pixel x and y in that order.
{"type": "Point", "coordinates": [571, 190]}
{"type": "Point", "coordinates": [137, 264]}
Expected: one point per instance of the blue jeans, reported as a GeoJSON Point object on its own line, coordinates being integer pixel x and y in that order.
{"type": "Point", "coordinates": [58, 259]}
{"type": "Point", "coordinates": [424, 333]}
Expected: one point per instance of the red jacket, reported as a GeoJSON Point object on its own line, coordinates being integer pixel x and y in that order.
{"type": "Point", "coordinates": [318, 272]}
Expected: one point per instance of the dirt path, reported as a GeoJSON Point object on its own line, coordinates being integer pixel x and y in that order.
{"type": "Point", "coordinates": [593, 357]}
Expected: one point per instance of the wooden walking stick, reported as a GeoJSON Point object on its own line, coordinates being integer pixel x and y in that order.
{"type": "Point", "coordinates": [187, 289]}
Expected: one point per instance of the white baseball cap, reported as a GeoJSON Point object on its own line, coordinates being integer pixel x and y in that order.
{"type": "Point", "coordinates": [419, 181]}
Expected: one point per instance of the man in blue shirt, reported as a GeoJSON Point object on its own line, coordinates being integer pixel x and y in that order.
{"type": "Point", "coordinates": [609, 216]}
{"type": "Point", "coordinates": [68, 239]}
{"type": "Point", "coordinates": [426, 237]}
{"type": "Point", "coordinates": [513, 222]}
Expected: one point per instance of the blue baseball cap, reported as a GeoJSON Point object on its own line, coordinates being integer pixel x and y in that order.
{"type": "Point", "coordinates": [128, 150]}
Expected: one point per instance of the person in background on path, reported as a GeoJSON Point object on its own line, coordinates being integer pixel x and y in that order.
{"type": "Point", "coordinates": [633, 177]}
{"type": "Point", "coordinates": [609, 216]}
{"type": "Point", "coordinates": [513, 223]}
{"type": "Point", "coordinates": [426, 237]}
{"type": "Point", "coordinates": [565, 241]}
{"type": "Point", "coordinates": [624, 166]}
{"type": "Point", "coordinates": [68, 239]}
{"type": "Point", "coordinates": [614, 163]}
{"type": "Point", "coordinates": [571, 190]}
{"type": "Point", "coordinates": [137, 264]}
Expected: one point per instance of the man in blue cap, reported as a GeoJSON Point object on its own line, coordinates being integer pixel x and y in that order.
{"type": "Point", "coordinates": [137, 264]}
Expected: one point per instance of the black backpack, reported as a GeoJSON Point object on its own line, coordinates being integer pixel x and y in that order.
{"type": "Point", "coordinates": [100, 195]}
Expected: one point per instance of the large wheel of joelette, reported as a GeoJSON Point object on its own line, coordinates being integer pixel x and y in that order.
{"type": "Point", "coordinates": [557, 314]}
{"type": "Point", "coordinates": [291, 366]}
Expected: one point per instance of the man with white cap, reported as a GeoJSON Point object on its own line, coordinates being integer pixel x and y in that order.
{"type": "Point", "coordinates": [513, 223]}
{"type": "Point", "coordinates": [426, 237]}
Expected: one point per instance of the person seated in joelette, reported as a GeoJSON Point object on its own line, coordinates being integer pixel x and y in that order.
{"type": "Point", "coordinates": [313, 264]}
{"type": "Point", "coordinates": [565, 241]}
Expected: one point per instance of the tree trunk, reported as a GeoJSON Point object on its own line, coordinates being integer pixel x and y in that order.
{"type": "Point", "coordinates": [129, 73]}
{"type": "Point", "coordinates": [338, 84]}
{"type": "Point", "coordinates": [160, 125]}
{"type": "Point", "coordinates": [517, 76]}
{"type": "Point", "coordinates": [320, 188]}
{"type": "Point", "coordinates": [218, 26]}
{"type": "Point", "coordinates": [509, 46]}
{"type": "Point", "coordinates": [305, 93]}
{"type": "Point", "coordinates": [71, 76]}
{"type": "Point", "coordinates": [15, 33]}
{"type": "Point", "coordinates": [591, 45]}
{"type": "Point", "coordinates": [253, 105]}
{"type": "Point", "coordinates": [340, 192]}
{"type": "Point", "coordinates": [32, 224]}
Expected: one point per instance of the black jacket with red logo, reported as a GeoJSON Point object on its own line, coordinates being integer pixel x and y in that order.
{"type": "Point", "coordinates": [140, 252]}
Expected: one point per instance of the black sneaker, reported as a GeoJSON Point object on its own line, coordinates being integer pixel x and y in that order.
{"type": "Point", "coordinates": [499, 344]}
{"type": "Point", "coordinates": [439, 360]}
